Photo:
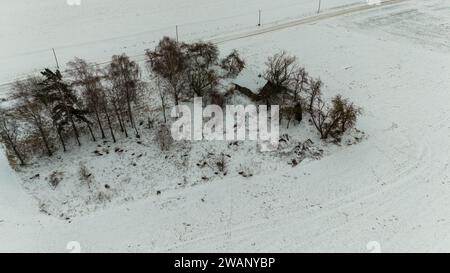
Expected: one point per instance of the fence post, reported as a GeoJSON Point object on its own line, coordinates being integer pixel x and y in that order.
{"type": "Point", "coordinates": [259, 18]}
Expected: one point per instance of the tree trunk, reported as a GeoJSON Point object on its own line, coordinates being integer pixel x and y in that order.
{"type": "Point", "coordinates": [175, 94]}
{"type": "Point", "coordinates": [109, 125]}
{"type": "Point", "coordinates": [164, 112]}
{"type": "Point", "coordinates": [130, 115]}
{"type": "Point", "coordinates": [75, 130]}
{"type": "Point", "coordinates": [99, 123]}
{"type": "Point", "coordinates": [122, 126]}
{"type": "Point", "coordinates": [22, 162]}
{"type": "Point", "coordinates": [38, 123]}
{"type": "Point", "coordinates": [91, 132]}
{"type": "Point", "coordinates": [44, 139]}
{"type": "Point", "coordinates": [74, 127]}
{"type": "Point", "coordinates": [61, 139]}
{"type": "Point", "coordinates": [13, 146]}
{"type": "Point", "coordinates": [136, 131]}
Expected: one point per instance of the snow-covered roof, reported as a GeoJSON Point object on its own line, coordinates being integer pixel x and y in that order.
{"type": "Point", "coordinates": [250, 79]}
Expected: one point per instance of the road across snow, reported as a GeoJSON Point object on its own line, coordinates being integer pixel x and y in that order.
{"type": "Point", "coordinates": [242, 29]}
{"type": "Point", "coordinates": [393, 188]}
{"type": "Point", "coordinates": [96, 30]}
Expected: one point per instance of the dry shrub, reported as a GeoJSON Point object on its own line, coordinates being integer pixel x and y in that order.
{"type": "Point", "coordinates": [86, 175]}
{"type": "Point", "coordinates": [164, 137]}
{"type": "Point", "coordinates": [333, 119]}
{"type": "Point", "coordinates": [55, 178]}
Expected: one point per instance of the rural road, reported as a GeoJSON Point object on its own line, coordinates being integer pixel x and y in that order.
{"type": "Point", "coordinates": [5, 87]}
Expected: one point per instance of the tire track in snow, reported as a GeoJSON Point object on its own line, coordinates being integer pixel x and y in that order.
{"type": "Point", "coordinates": [420, 168]}
{"type": "Point", "coordinates": [417, 166]}
{"type": "Point", "coordinates": [308, 216]}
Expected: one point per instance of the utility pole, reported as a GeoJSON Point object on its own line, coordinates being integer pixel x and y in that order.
{"type": "Point", "coordinates": [259, 18]}
{"type": "Point", "coordinates": [176, 31]}
{"type": "Point", "coordinates": [320, 3]}
{"type": "Point", "coordinates": [56, 58]}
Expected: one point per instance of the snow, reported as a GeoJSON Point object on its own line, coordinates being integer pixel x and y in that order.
{"type": "Point", "coordinates": [96, 30]}
{"type": "Point", "coordinates": [391, 188]}
{"type": "Point", "coordinates": [133, 169]}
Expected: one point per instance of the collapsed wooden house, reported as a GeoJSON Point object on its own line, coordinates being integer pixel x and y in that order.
{"type": "Point", "coordinates": [271, 94]}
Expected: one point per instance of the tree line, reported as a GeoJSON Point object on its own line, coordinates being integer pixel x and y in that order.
{"type": "Point", "coordinates": [48, 110]}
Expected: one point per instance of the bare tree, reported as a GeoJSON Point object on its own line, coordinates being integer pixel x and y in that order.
{"type": "Point", "coordinates": [195, 66]}
{"type": "Point", "coordinates": [335, 118]}
{"type": "Point", "coordinates": [314, 92]}
{"type": "Point", "coordinates": [32, 110]}
{"type": "Point", "coordinates": [125, 77]}
{"type": "Point", "coordinates": [169, 62]}
{"type": "Point", "coordinates": [324, 118]}
{"type": "Point", "coordinates": [201, 54]}
{"type": "Point", "coordinates": [292, 112]}
{"type": "Point", "coordinates": [299, 82]}
{"type": "Point", "coordinates": [89, 80]}
{"type": "Point", "coordinates": [281, 69]}
{"type": "Point", "coordinates": [162, 96]}
{"type": "Point", "coordinates": [114, 96]}
{"type": "Point", "coordinates": [202, 58]}
{"type": "Point", "coordinates": [233, 64]}
{"type": "Point", "coordinates": [9, 133]}
{"type": "Point", "coordinates": [105, 108]}
{"type": "Point", "coordinates": [202, 82]}
{"type": "Point", "coordinates": [108, 117]}
{"type": "Point", "coordinates": [204, 70]}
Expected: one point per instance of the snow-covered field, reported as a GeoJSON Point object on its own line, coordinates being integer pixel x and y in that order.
{"type": "Point", "coordinates": [391, 188]}
{"type": "Point", "coordinates": [97, 29]}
